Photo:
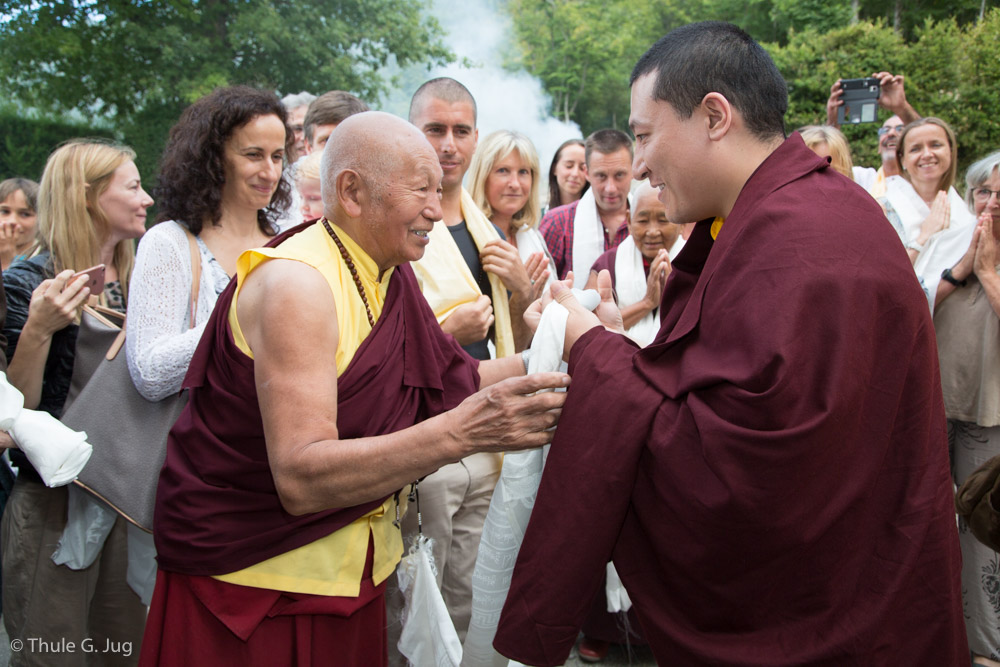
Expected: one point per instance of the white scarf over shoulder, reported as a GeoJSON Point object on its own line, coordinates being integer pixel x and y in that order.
{"type": "Point", "coordinates": [945, 248]}
{"type": "Point", "coordinates": [588, 238]}
{"type": "Point", "coordinates": [630, 284]}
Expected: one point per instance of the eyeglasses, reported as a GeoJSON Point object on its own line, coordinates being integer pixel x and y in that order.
{"type": "Point", "coordinates": [886, 129]}
{"type": "Point", "coordinates": [984, 194]}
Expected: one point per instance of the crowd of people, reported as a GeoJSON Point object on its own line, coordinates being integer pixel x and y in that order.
{"type": "Point", "coordinates": [760, 389]}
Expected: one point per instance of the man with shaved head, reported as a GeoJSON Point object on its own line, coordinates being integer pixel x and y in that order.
{"type": "Point", "coordinates": [322, 386]}
{"type": "Point", "coordinates": [466, 275]}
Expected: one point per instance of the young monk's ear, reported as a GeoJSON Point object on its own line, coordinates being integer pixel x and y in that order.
{"type": "Point", "coordinates": [349, 186]}
{"type": "Point", "coordinates": [719, 115]}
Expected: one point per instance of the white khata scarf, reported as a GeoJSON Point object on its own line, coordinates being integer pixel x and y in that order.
{"type": "Point", "coordinates": [630, 284]}
{"type": "Point", "coordinates": [588, 238]}
{"type": "Point", "coordinates": [530, 241]}
{"type": "Point", "coordinates": [945, 248]}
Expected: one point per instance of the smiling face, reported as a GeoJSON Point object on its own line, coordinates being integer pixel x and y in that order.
{"type": "Point", "coordinates": [15, 210]}
{"type": "Point", "coordinates": [253, 158]}
{"type": "Point", "coordinates": [991, 201]}
{"type": "Point", "coordinates": [404, 209]}
{"type": "Point", "coordinates": [450, 127]}
{"type": "Point", "coordinates": [888, 138]}
{"type": "Point", "coordinates": [124, 203]}
{"type": "Point", "coordinates": [926, 155]}
{"type": "Point", "coordinates": [571, 172]}
{"type": "Point", "coordinates": [508, 186]}
{"type": "Point", "coordinates": [670, 151]}
{"type": "Point", "coordinates": [648, 226]}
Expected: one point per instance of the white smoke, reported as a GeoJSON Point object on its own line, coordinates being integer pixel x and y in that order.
{"type": "Point", "coordinates": [480, 35]}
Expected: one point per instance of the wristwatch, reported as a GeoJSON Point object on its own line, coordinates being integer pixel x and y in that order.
{"type": "Point", "coordinates": [915, 246]}
{"type": "Point", "coordinates": [947, 275]}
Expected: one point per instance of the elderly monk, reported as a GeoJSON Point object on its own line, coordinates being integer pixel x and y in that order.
{"type": "Point", "coordinates": [770, 475]}
{"type": "Point", "coordinates": [322, 385]}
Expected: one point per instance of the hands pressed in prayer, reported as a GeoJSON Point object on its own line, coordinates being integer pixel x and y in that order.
{"type": "Point", "coordinates": [987, 250]}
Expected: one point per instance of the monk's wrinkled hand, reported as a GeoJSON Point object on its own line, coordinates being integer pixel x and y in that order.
{"type": "Point", "coordinates": [513, 414]}
{"type": "Point", "coordinates": [533, 313]}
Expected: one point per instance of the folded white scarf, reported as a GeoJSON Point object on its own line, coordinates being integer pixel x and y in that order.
{"type": "Point", "coordinates": [530, 241]}
{"type": "Point", "coordinates": [630, 284]}
{"type": "Point", "coordinates": [512, 502]}
{"type": "Point", "coordinates": [588, 238]}
{"type": "Point", "coordinates": [57, 452]}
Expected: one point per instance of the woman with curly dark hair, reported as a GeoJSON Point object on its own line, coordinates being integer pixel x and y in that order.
{"type": "Point", "coordinates": [220, 185]}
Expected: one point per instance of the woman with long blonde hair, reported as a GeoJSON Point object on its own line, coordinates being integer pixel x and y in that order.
{"type": "Point", "coordinates": [91, 206]}
{"type": "Point", "coordinates": [504, 183]}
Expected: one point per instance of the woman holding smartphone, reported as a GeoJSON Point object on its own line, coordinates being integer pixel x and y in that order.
{"type": "Point", "coordinates": [90, 206]}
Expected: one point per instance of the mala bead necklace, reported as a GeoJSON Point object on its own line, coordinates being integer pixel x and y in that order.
{"type": "Point", "coordinates": [352, 269]}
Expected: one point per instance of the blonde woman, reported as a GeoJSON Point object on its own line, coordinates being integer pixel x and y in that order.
{"type": "Point", "coordinates": [827, 141]}
{"type": "Point", "coordinates": [504, 180]}
{"type": "Point", "coordinates": [91, 206]}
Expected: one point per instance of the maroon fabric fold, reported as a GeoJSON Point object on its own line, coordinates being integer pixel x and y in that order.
{"type": "Point", "coordinates": [770, 475]}
{"type": "Point", "coordinates": [217, 509]}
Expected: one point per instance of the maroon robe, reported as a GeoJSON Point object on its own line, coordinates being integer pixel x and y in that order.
{"type": "Point", "coordinates": [770, 476]}
{"type": "Point", "coordinates": [217, 510]}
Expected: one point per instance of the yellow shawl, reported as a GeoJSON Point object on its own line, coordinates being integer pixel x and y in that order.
{"type": "Point", "coordinates": [447, 282]}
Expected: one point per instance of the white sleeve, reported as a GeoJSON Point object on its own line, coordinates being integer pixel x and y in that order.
{"type": "Point", "coordinates": [158, 343]}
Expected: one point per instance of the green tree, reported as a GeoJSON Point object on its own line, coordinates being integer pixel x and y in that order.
{"type": "Point", "coordinates": [141, 62]}
{"type": "Point", "coordinates": [583, 52]}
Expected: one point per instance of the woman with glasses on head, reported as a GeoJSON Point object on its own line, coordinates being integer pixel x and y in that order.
{"type": "Point", "coordinates": [929, 215]}
{"type": "Point", "coordinates": [967, 323]}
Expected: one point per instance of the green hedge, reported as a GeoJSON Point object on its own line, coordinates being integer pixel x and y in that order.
{"type": "Point", "coordinates": [25, 143]}
{"type": "Point", "coordinates": [951, 72]}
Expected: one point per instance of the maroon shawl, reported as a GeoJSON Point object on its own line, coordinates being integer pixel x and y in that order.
{"type": "Point", "coordinates": [770, 475]}
{"type": "Point", "coordinates": [217, 510]}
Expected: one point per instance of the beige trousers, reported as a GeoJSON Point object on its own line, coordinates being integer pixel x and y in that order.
{"type": "Point", "coordinates": [63, 616]}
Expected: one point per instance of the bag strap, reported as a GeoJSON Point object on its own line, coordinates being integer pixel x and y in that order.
{"type": "Point", "coordinates": [98, 311]}
{"type": "Point", "coordinates": [195, 273]}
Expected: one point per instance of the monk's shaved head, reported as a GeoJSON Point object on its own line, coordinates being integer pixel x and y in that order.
{"type": "Point", "coordinates": [374, 144]}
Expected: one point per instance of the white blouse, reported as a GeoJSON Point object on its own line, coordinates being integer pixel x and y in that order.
{"type": "Point", "coordinates": [159, 343]}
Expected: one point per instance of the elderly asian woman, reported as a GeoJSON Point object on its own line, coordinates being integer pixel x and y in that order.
{"type": "Point", "coordinates": [967, 323]}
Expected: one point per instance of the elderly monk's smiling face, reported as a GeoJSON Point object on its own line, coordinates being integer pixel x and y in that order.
{"type": "Point", "coordinates": [408, 203]}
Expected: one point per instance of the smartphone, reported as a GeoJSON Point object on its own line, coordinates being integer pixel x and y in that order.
{"type": "Point", "coordinates": [95, 278]}
{"type": "Point", "coordinates": [860, 100]}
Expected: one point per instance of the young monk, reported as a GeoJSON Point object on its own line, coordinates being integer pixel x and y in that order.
{"type": "Point", "coordinates": [770, 475]}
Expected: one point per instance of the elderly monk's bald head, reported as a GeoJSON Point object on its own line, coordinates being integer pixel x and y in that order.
{"type": "Point", "coordinates": [381, 181]}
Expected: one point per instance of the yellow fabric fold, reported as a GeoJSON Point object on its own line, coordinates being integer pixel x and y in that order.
{"type": "Point", "coordinates": [447, 282]}
{"type": "Point", "coordinates": [334, 564]}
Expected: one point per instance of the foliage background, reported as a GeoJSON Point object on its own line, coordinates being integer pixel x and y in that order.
{"type": "Point", "coordinates": [128, 67]}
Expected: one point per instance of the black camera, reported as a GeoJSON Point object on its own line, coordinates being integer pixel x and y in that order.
{"type": "Point", "coordinates": [860, 99]}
